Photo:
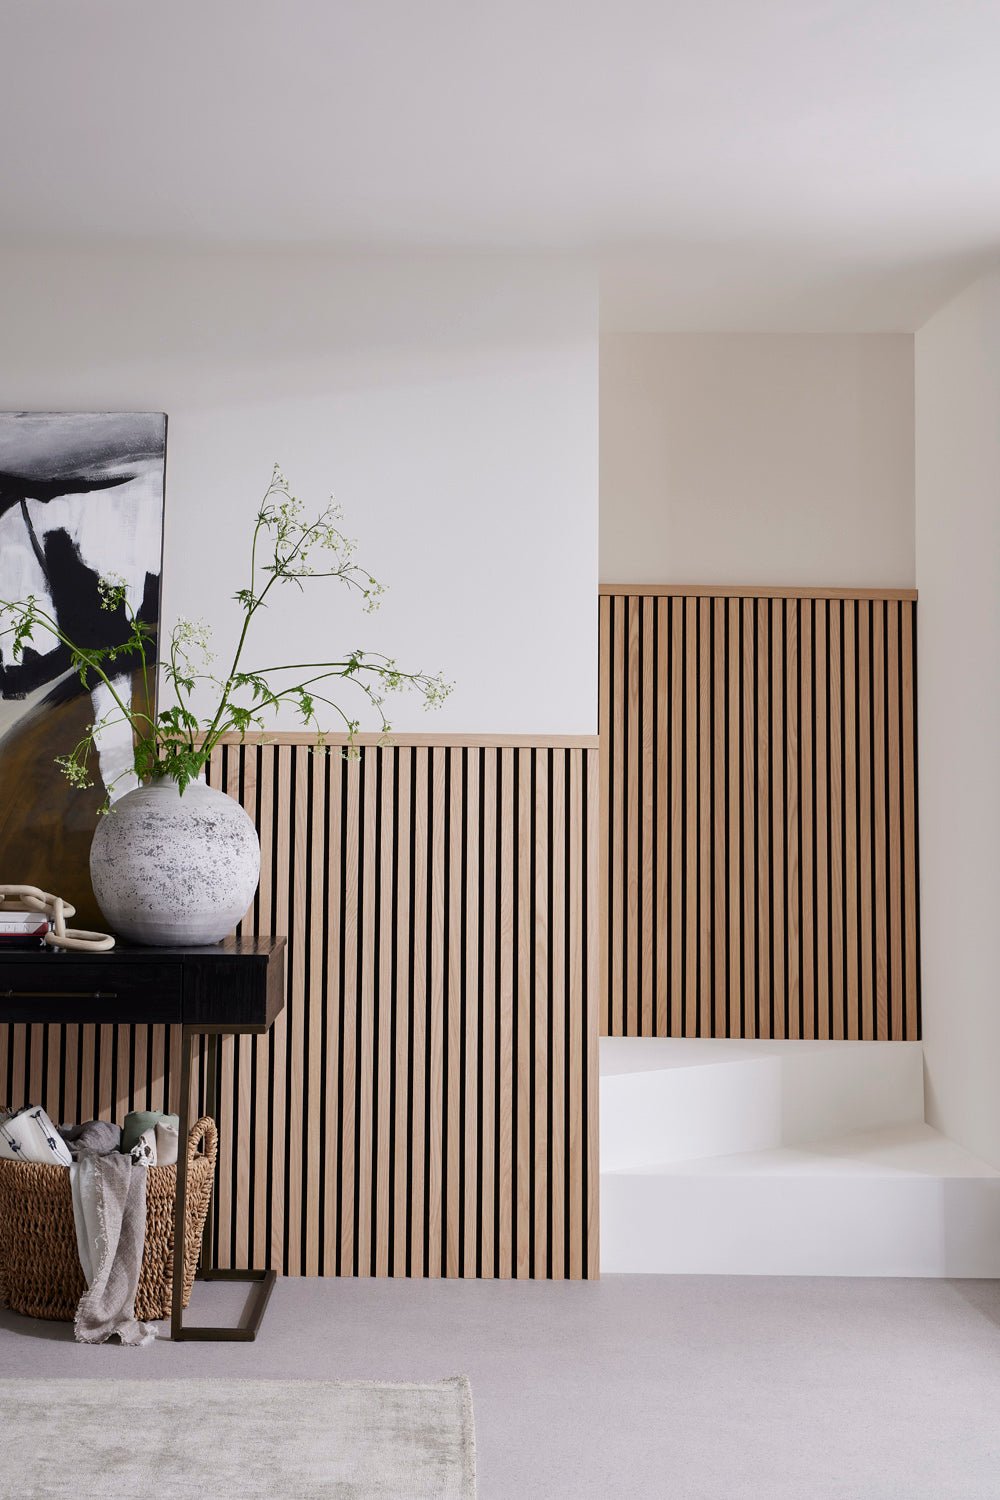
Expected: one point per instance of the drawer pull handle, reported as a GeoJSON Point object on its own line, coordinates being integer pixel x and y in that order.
{"type": "Point", "coordinates": [60, 994]}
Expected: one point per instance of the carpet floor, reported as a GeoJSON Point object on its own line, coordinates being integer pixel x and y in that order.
{"type": "Point", "coordinates": [678, 1388]}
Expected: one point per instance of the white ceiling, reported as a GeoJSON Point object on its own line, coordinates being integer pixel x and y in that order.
{"type": "Point", "coordinates": [733, 163]}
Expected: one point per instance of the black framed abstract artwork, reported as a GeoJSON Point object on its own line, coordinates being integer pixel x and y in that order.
{"type": "Point", "coordinates": [81, 498]}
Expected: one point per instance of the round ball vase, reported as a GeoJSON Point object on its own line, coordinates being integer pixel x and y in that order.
{"type": "Point", "coordinates": [175, 869]}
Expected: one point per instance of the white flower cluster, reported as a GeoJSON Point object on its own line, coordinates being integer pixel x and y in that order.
{"type": "Point", "coordinates": [373, 595]}
{"type": "Point", "coordinates": [193, 635]}
{"type": "Point", "coordinates": [436, 690]}
{"type": "Point", "coordinates": [111, 590]}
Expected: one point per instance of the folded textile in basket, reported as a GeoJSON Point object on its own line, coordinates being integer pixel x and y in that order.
{"type": "Point", "coordinates": [97, 1136]}
{"type": "Point", "coordinates": [109, 1206]}
{"type": "Point", "coordinates": [153, 1135]}
{"type": "Point", "coordinates": [28, 1135]}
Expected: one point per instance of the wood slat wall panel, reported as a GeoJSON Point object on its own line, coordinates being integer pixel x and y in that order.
{"type": "Point", "coordinates": [758, 827]}
{"type": "Point", "coordinates": [426, 1104]}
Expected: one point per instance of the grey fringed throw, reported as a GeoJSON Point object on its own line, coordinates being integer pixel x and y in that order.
{"type": "Point", "coordinates": [109, 1204]}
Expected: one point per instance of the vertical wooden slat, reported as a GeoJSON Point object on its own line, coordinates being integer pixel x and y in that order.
{"type": "Point", "coordinates": [105, 1085]}
{"type": "Point", "coordinates": [491, 1011]}
{"type": "Point", "coordinates": [879, 800]}
{"type": "Point", "coordinates": [314, 907]}
{"type": "Point", "coordinates": [866, 852]}
{"type": "Point", "coordinates": [89, 1092]}
{"type": "Point", "coordinates": [704, 813]}
{"type": "Point", "coordinates": [421, 1123]}
{"type": "Point", "coordinates": [364, 1074]}
{"type": "Point", "coordinates": [661, 845]}
{"type": "Point", "coordinates": [540, 1060]}
{"type": "Point", "coordinates": [264, 764]}
{"type": "Point", "coordinates": [121, 1101]}
{"type": "Point", "coordinates": [296, 927]}
{"type": "Point", "coordinates": [749, 832]}
{"type": "Point", "coordinates": [836, 822]}
{"type": "Point", "coordinates": [646, 1004]}
{"type": "Point", "coordinates": [808, 823]}
{"type": "Point", "coordinates": [226, 1120]}
{"type": "Point", "coordinates": [690, 876]}
{"type": "Point", "coordinates": [331, 1103]}
{"type": "Point", "coordinates": [230, 1174]}
{"type": "Point", "coordinates": [504, 1142]}
{"type": "Point", "coordinates": [21, 1065]}
{"type": "Point", "coordinates": [437, 1022]}
{"type": "Point", "coordinates": [678, 815]}
{"type": "Point", "coordinates": [470, 1052]}
{"type": "Point", "coordinates": [762, 820]}
{"type": "Point", "coordinates": [523, 1040]}
{"type": "Point", "coordinates": [403, 938]}
{"type": "Point", "coordinates": [793, 814]}
{"type": "Point", "coordinates": [735, 824]}
{"type": "Point", "coordinates": [852, 978]}
{"type": "Point", "coordinates": [779, 952]}
{"type": "Point", "coordinates": [909, 819]}
{"type": "Point", "coordinates": [453, 1039]}
{"type": "Point", "coordinates": [607, 672]}
{"type": "Point", "coordinates": [581, 1025]}
{"type": "Point", "coordinates": [242, 1157]}
{"type": "Point", "coordinates": [721, 936]}
{"type": "Point", "coordinates": [618, 748]}
{"type": "Point", "coordinates": [562, 1010]}
{"type": "Point", "coordinates": [821, 865]}
{"type": "Point", "coordinates": [156, 1096]}
{"type": "Point", "coordinates": [587, 1013]}
{"type": "Point", "coordinates": [385, 1018]}
{"type": "Point", "coordinates": [139, 1094]}
{"type": "Point", "coordinates": [895, 843]}
{"type": "Point", "coordinates": [33, 1036]}
{"type": "Point", "coordinates": [276, 846]}
{"type": "Point", "coordinates": [350, 938]}
{"type": "Point", "coordinates": [632, 764]}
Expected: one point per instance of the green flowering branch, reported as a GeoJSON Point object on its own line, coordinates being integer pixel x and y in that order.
{"type": "Point", "coordinates": [176, 744]}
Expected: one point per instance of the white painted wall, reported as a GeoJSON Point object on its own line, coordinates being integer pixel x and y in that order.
{"type": "Point", "coordinates": [958, 574]}
{"type": "Point", "coordinates": [450, 404]}
{"type": "Point", "coordinates": [757, 459]}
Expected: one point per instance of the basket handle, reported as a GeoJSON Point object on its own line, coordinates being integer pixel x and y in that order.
{"type": "Point", "coordinates": [203, 1132]}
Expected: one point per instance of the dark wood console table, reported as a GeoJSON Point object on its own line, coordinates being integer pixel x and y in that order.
{"type": "Point", "coordinates": [235, 988]}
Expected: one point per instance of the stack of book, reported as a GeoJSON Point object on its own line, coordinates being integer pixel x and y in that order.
{"type": "Point", "coordinates": [22, 929]}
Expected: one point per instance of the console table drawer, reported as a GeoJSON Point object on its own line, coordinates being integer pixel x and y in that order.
{"type": "Point", "coordinates": [89, 991]}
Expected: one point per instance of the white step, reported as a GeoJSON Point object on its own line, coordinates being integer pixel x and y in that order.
{"type": "Point", "coordinates": [899, 1201]}
{"type": "Point", "coordinates": [674, 1099]}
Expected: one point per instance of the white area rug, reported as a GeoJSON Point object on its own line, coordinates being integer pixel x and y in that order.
{"type": "Point", "coordinates": [220, 1439]}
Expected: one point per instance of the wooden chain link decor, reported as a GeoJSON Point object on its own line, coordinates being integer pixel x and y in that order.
{"type": "Point", "coordinates": [30, 898]}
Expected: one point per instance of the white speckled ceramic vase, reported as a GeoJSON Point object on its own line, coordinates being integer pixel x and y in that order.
{"type": "Point", "coordinates": [175, 869]}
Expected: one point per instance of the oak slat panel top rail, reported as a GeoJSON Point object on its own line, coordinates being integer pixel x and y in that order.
{"type": "Point", "coordinates": [749, 591]}
{"type": "Point", "coordinates": [400, 740]}
{"type": "Point", "coordinates": [758, 835]}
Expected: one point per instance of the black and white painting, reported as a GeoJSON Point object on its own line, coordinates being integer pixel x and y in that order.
{"type": "Point", "coordinates": [81, 498]}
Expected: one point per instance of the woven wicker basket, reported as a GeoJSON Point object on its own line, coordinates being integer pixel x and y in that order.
{"type": "Point", "coordinates": [40, 1273]}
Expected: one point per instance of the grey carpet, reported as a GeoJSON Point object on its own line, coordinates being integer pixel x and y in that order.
{"type": "Point", "coordinates": [645, 1387]}
{"type": "Point", "coordinates": [252, 1439]}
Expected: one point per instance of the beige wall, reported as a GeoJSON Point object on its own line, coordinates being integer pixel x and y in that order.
{"type": "Point", "coordinates": [757, 458]}
{"type": "Point", "coordinates": [958, 573]}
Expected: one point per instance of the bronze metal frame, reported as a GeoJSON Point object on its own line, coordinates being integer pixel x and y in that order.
{"type": "Point", "coordinates": [262, 1281]}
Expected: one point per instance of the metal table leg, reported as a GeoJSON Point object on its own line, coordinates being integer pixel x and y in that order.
{"type": "Point", "coordinates": [212, 1110]}
{"type": "Point", "coordinates": [262, 1281]}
